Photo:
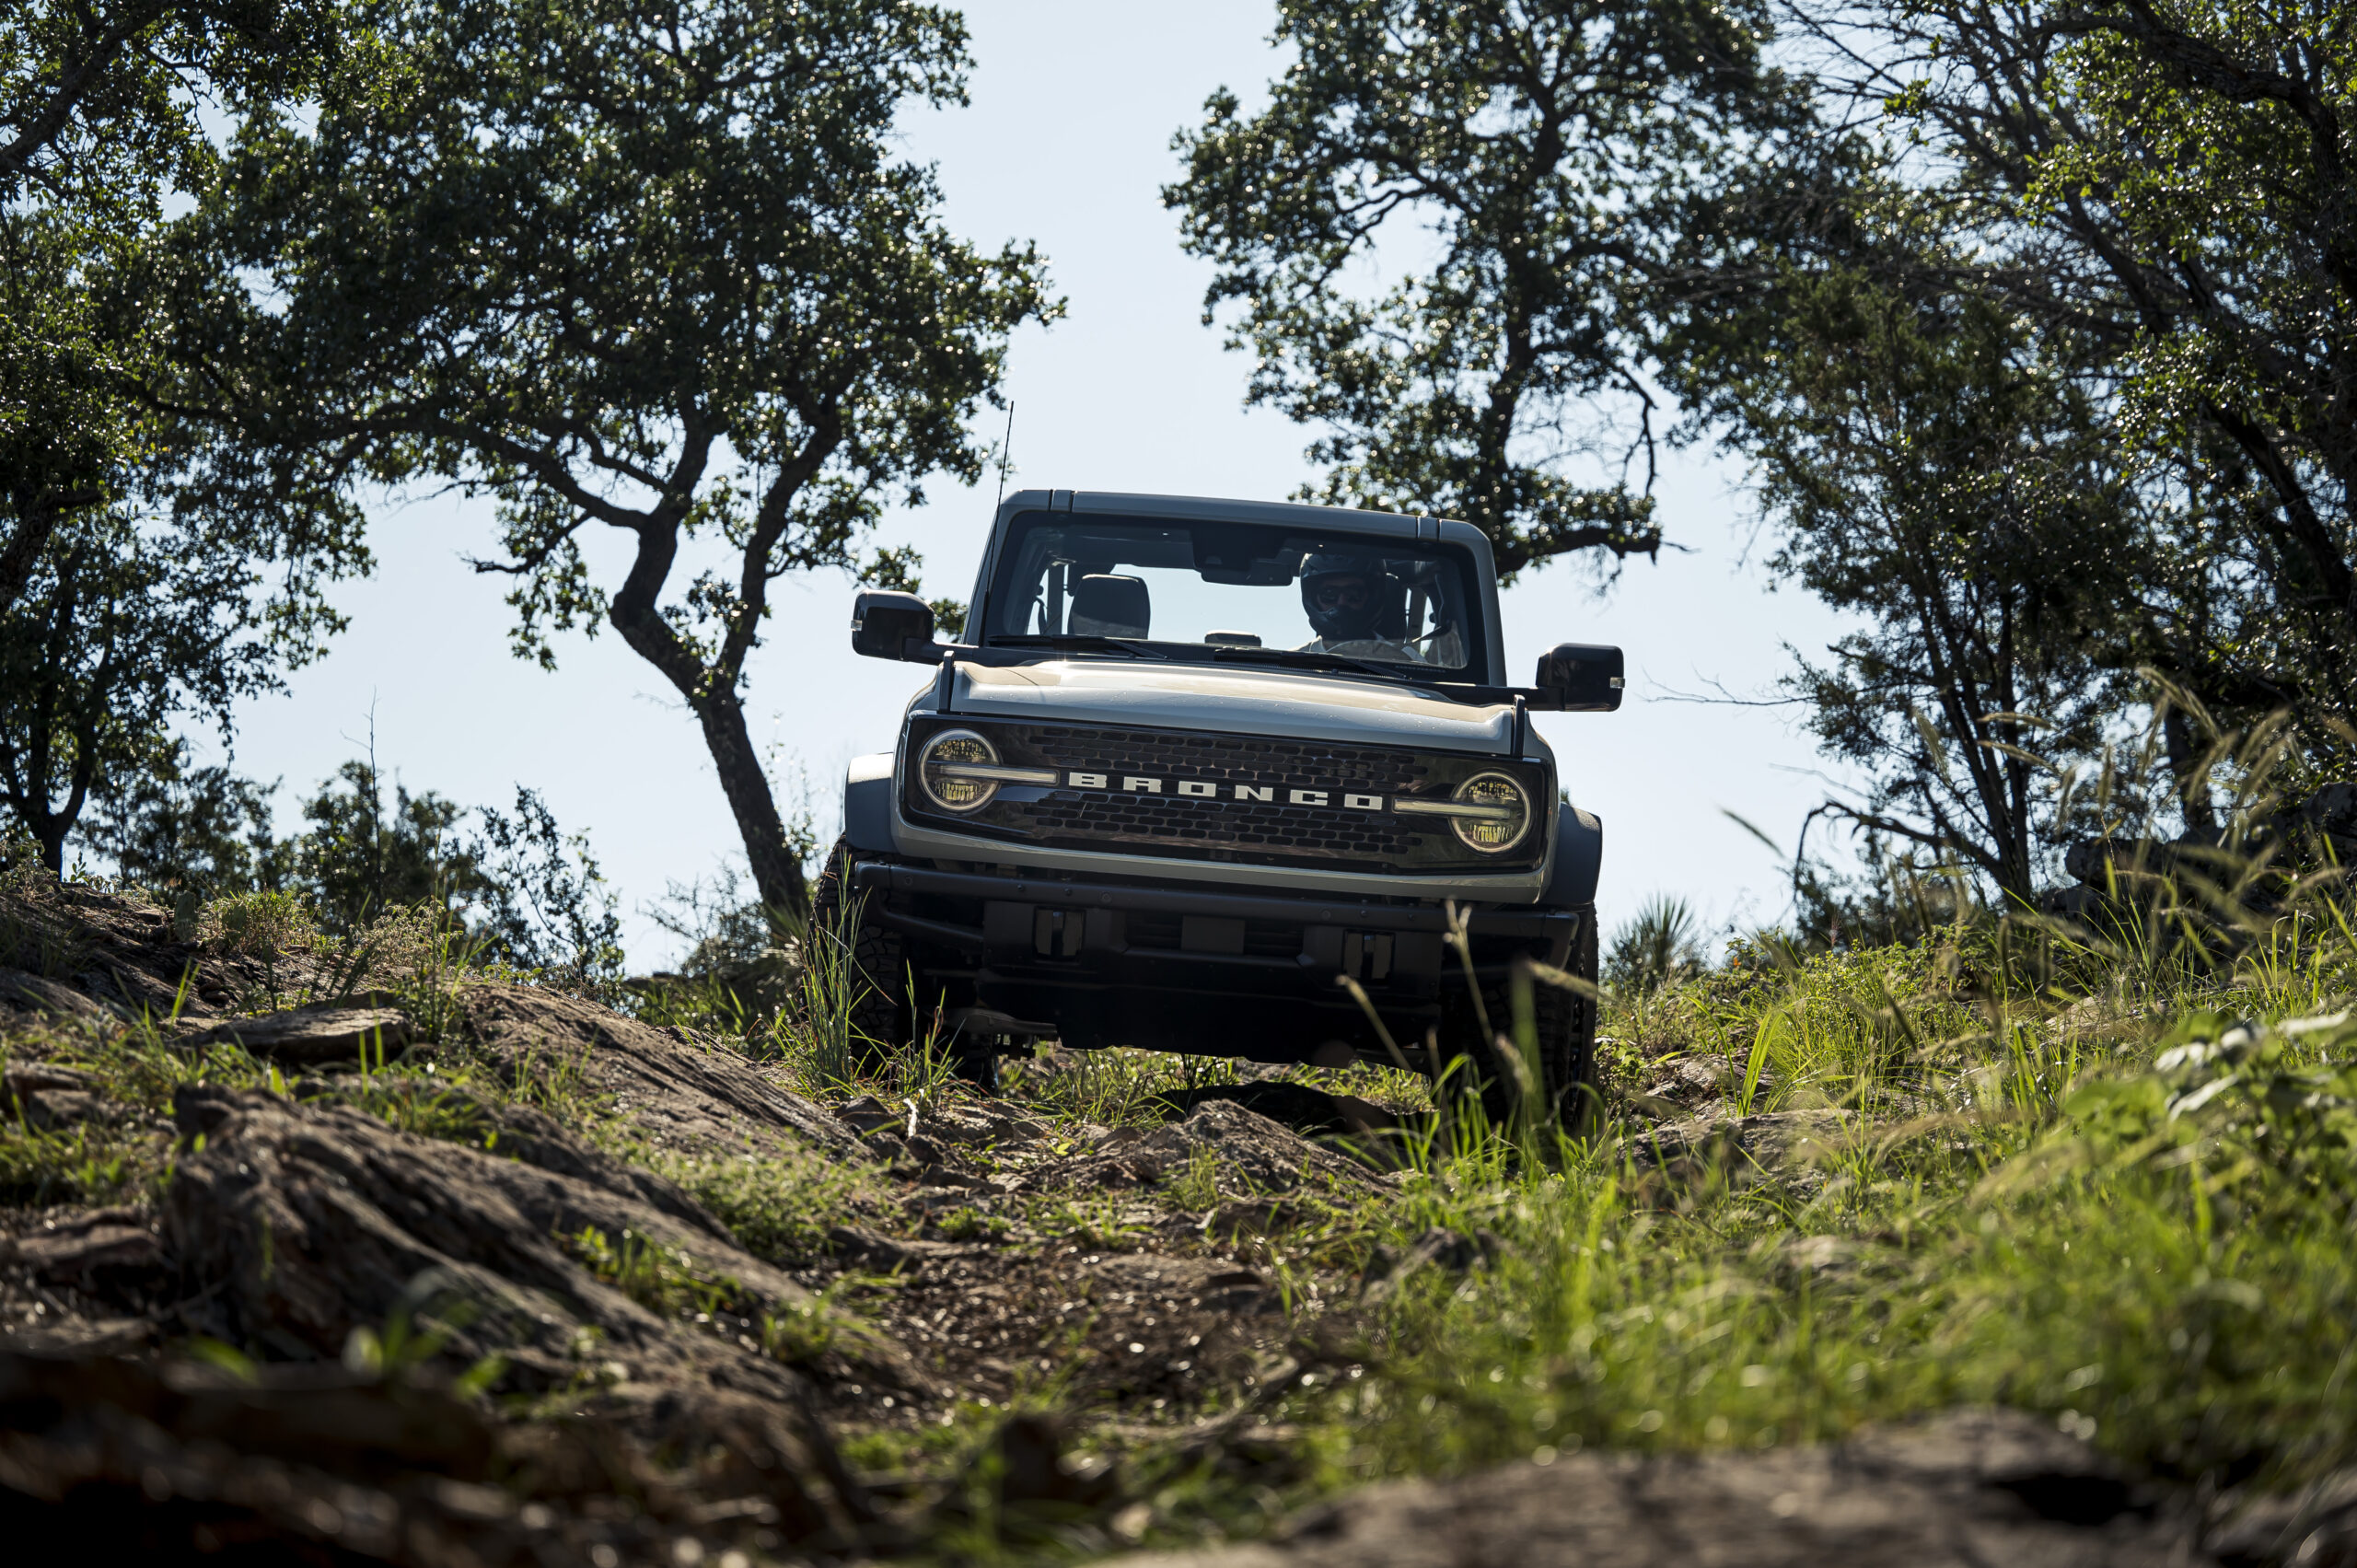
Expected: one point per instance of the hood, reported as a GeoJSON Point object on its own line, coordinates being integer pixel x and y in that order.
{"type": "Point", "coordinates": [1237, 701]}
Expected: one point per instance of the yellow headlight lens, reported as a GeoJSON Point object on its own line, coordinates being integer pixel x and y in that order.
{"type": "Point", "coordinates": [938, 772]}
{"type": "Point", "coordinates": [1506, 817]}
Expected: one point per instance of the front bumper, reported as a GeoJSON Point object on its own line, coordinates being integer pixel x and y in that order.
{"type": "Point", "coordinates": [1105, 962]}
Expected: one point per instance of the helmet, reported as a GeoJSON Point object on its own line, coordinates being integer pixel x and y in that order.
{"type": "Point", "coordinates": [1346, 597]}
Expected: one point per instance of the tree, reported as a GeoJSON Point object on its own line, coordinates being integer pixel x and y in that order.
{"type": "Point", "coordinates": [125, 625]}
{"type": "Point", "coordinates": [527, 892]}
{"type": "Point", "coordinates": [2174, 185]}
{"type": "Point", "coordinates": [1561, 154]}
{"type": "Point", "coordinates": [545, 905]}
{"type": "Point", "coordinates": [648, 267]}
{"type": "Point", "coordinates": [204, 830]}
{"type": "Point", "coordinates": [99, 120]}
{"type": "Point", "coordinates": [358, 862]}
{"type": "Point", "coordinates": [1660, 946]}
{"type": "Point", "coordinates": [1928, 468]}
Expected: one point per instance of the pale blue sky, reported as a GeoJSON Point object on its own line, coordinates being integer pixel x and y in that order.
{"type": "Point", "coordinates": [1067, 142]}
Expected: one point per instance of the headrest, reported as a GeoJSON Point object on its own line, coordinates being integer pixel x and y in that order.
{"type": "Point", "coordinates": [1106, 606]}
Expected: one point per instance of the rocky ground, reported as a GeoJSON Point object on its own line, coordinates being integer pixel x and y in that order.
{"type": "Point", "coordinates": [482, 1274]}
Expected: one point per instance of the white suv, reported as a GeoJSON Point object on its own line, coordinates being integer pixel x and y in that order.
{"type": "Point", "coordinates": [1192, 761]}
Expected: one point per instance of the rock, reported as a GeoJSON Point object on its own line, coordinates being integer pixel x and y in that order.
{"type": "Point", "coordinates": [60, 1109]}
{"type": "Point", "coordinates": [675, 1096]}
{"type": "Point", "coordinates": [318, 1464]}
{"type": "Point", "coordinates": [1186, 1284]}
{"type": "Point", "coordinates": [991, 1121]}
{"type": "Point", "coordinates": [296, 1224]}
{"type": "Point", "coordinates": [1696, 1081]}
{"type": "Point", "coordinates": [1254, 1155]}
{"type": "Point", "coordinates": [73, 1338]}
{"type": "Point", "coordinates": [1239, 1218]}
{"type": "Point", "coordinates": [113, 955]}
{"type": "Point", "coordinates": [1776, 1145]}
{"type": "Point", "coordinates": [104, 1253]}
{"type": "Point", "coordinates": [313, 1035]}
{"type": "Point", "coordinates": [872, 1252]}
{"type": "Point", "coordinates": [50, 1096]}
{"type": "Point", "coordinates": [867, 1114]}
{"type": "Point", "coordinates": [34, 994]}
{"type": "Point", "coordinates": [1297, 1106]}
{"type": "Point", "coordinates": [1969, 1488]}
{"type": "Point", "coordinates": [38, 1078]}
{"type": "Point", "coordinates": [2315, 1526]}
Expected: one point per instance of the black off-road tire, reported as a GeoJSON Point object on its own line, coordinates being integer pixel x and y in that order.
{"type": "Point", "coordinates": [882, 971]}
{"type": "Point", "coordinates": [1565, 1026]}
{"type": "Point", "coordinates": [878, 956]}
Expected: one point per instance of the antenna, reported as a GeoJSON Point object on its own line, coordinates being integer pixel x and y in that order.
{"type": "Point", "coordinates": [1005, 454]}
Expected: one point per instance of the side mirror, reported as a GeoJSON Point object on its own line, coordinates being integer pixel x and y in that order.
{"type": "Point", "coordinates": [1580, 677]}
{"type": "Point", "coordinates": [886, 624]}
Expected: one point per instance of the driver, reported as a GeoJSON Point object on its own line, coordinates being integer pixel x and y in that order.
{"type": "Point", "coordinates": [1353, 606]}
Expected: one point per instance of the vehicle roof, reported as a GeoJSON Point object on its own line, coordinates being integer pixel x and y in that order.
{"type": "Point", "coordinates": [1211, 508]}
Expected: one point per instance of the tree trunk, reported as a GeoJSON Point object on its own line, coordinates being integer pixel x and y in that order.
{"type": "Point", "coordinates": [34, 525]}
{"type": "Point", "coordinates": [777, 871]}
{"type": "Point", "coordinates": [2192, 781]}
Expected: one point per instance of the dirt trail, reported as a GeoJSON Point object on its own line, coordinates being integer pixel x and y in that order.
{"type": "Point", "coordinates": [500, 1275]}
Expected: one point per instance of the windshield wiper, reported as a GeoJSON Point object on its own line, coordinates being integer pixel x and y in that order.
{"type": "Point", "coordinates": [1079, 644]}
{"type": "Point", "coordinates": [1309, 659]}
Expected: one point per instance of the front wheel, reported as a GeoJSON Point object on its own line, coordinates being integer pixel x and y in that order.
{"type": "Point", "coordinates": [1562, 1023]}
{"type": "Point", "coordinates": [875, 970]}
{"type": "Point", "coordinates": [861, 964]}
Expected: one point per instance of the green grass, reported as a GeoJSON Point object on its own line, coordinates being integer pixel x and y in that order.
{"type": "Point", "coordinates": [781, 1206]}
{"type": "Point", "coordinates": [2063, 1196]}
{"type": "Point", "coordinates": [2110, 1181]}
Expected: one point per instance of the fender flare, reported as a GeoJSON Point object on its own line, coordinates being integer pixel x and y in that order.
{"type": "Point", "coordinates": [868, 802]}
{"type": "Point", "coordinates": [1579, 858]}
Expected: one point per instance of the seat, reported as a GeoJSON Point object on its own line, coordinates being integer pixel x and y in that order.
{"type": "Point", "coordinates": [1104, 605]}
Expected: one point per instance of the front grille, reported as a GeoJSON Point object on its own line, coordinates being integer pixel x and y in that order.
{"type": "Point", "coordinates": [1218, 827]}
{"type": "Point", "coordinates": [1284, 829]}
{"type": "Point", "coordinates": [1229, 758]}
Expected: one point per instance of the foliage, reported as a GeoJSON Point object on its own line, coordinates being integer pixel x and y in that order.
{"type": "Point", "coordinates": [123, 626]}
{"type": "Point", "coordinates": [1660, 946]}
{"type": "Point", "coordinates": [2170, 186]}
{"type": "Point", "coordinates": [2070, 1181]}
{"type": "Point", "coordinates": [1933, 468]}
{"type": "Point", "coordinates": [545, 903]}
{"type": "Point", "coordinates": [261, 925]}
{"type": "Point", "coordinates": [100, 123]}
{"type": "Point", "coordinates": [723, 931]}
{"type": "Point", "coordinates": [781, 1206]}
{"type": "Point", "coordinates": [173, 824]}
{"type": "Point", "coordinates": [518, 890]}
{"type": "Point", "coordinates": [664, 1280]}
{"type": "Point", "coordinates": [1559, 155]}
{"type": "Point", "coordinates": [101, 102]}
{"type": "Point", "coordinates": [699, 303]}
{"type": "Point", "coordinates": [358, 860]}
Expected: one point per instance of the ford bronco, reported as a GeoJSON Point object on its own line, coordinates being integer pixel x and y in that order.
{"type": "Point", "coordinates": [1192, 764]}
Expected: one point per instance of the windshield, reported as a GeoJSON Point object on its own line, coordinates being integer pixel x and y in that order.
{"type": "Point", "coordinates": [1219, 590]}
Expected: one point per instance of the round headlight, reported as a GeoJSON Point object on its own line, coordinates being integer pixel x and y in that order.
{"type": "Point", "coordinates": [955, 771]}
{"type": "Point", "coordinates": [1503, 816]}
